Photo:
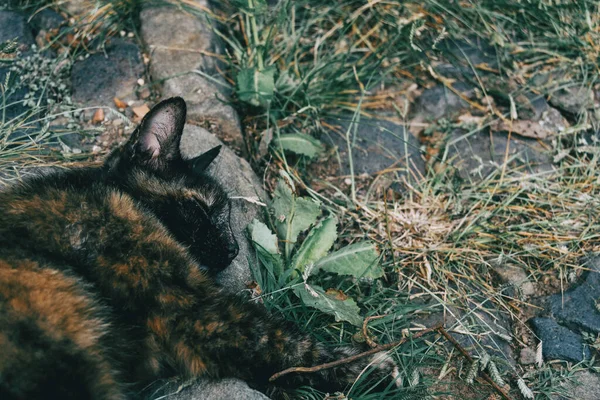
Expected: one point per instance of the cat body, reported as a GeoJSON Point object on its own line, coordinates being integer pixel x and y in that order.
{"type": "Point", "coordinates": [105, 280]}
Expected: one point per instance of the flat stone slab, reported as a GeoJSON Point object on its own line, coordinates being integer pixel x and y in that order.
{"type": "Point", "coordinates": [478, 154]}
{"type": "Point", "coordinates": [379, 147]}
{"type": "Point", "coordinates": [98, 79]}
{"type": "Point", "coordinates": [14, 25]}
{"type": "Point", "coordinates": [577, 307]}
{"type": "Point", "coordinates": [558, 342]}
{"type": "Point", "coordinates": [242, 184]}
{"type": "Point", "coordinates": [439, 101]}
{"type": "Point", "coordinates": [490, 331]}
{"type": "Point", "coordinates": [179, 41]}
{"type": "Point", "coordinates": [584, 386]}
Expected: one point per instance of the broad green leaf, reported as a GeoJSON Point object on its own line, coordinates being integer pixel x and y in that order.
{"type": "Point", "coordinates": [262, 236]}
{"type": "Point", "coordinates": [298, 143]}
{"type": "Point", "coordinates": [292, 215]}
{"type": "Point", "coordinates": [256, 87]}
{"type": "Point", "coordinates": [316, 245]}
{"type": "Point", "coordinates": [266, 246]}
{"type": "Point", "coordinates": [360, 260]}
{"type": "Point", "coordinates": [343, 310]}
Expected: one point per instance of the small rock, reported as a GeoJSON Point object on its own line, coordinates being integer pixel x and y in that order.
{"type": "Point", "coordinates": [380, 147]}
{"type": "Point", "coordinates": [140, 111]}
{"type": "Point", "coordinates": [237, 177]}
{"type": "Point", "coordinates": [559, 342]}
{"type": "Point", "coordinates": [577, 307]}
{"type": "Point", "coordinates": [515, 276]}
{"type": "Point", "coordinates": [527, 356]}
{"type": "Point", "coordinates": [98, 116]}
{"type": "Point", "coordinates": [98, 79]}
{"type": "Point", "coordinates": [144, 93]}
{"type": "Point", "coordinates": [120, 104]}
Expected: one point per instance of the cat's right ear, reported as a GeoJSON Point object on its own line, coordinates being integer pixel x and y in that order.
{"type": "Point", "coordinates": [155, 142]}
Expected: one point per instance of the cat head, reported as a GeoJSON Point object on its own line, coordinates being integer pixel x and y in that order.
{"type": "Point", "coordinates": [192, 205]}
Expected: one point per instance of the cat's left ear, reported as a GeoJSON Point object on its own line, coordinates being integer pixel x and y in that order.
{"type": "Point", "coordinates": [155, 143]}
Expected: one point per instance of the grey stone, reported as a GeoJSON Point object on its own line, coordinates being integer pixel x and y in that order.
{"type": "Point", "coordinates": [15, 96]}
{"type": "Point", "coordinates": [46, 19]}
{"type": "Point", "coordinates": [174, 58]}
{"type": "Point", "coordinates": [490, 330]}
{"type": "Point", "coordinates": [179, 41]}
{"type": "Point", "coordinates": [527, 356]}
{"type": "Point", "coordinates": [99, 78]}
{"type": "Point", "coordinates": [14, 25]}
{"type": "Point", "coordinates": [559, 342]}
{"type": "Point", "coordinates": [477, 154]}
{"type": "Point", "coordinates": [468, 52]}
{"type": "Point", "coordinates": [236, 175]}
{"type": "Point", "coordinates": [585, 385]}
{"type": "Point", "coordinates": [205, 107]}
{"type": "Point", "coordinates": [226, 389]}
{"type": "Point", "coordinates": [379, 147]}
{"type": "Point", "coordinates": [576, 308]}
{"type": "Point", "coordinates": [573, 100]}
{"type": "Point", "coordinates": [439, 101]}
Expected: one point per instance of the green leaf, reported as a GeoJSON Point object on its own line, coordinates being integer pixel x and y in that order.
{"type": "Point", "coordinates": [316, 245]}
{"type": "Point", "coordinates": [251, 6]}
{"type": "Point", "coordinates": [256, 87]}
{"type": "Point", "coordinates": [359, 259]}
{"type": "Point", "coordinates": [292, 215]}
{"type": "Point", "coordinates": [343, 310]}
{"type": "Point", "coordinates": [262, 236]}
{"type": "Point", "coordinates": [266, 246]}
{"type": "Point", "coordinates": [298, 143]}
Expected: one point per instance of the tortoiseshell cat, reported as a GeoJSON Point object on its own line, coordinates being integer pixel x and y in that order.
{"type": "Point", "coordinates": [102, 287]}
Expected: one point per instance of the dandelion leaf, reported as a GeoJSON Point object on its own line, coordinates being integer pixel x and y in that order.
{"type": "Point", "coordinates": [292, 215]}
{"type": "Point", "coordinates": [343, 310]}
{"type": "Point", "coordinates": [316, 245]}
{"type": "Point", "coordinates": [256, 87]}
{"type": "Point", "coordinates": [360, 260]}
{"type": "Point", "coordinates": [298, 143]}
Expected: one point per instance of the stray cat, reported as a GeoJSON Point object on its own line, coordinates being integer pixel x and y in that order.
{"type": "Point", "coordinates": [102, 287]}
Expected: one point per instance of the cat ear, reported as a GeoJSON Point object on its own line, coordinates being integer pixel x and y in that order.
{"type": "Point", "coordinates": [155, 143]}
{"type": "Point", "coordinates": [200, 163]}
